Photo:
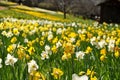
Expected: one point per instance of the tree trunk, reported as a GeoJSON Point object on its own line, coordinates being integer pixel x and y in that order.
{"type": "Point", "coordinates": [64, 10]}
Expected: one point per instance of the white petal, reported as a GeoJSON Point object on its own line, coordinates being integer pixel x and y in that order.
{"type": "Point", "coordinates": [7, 62]}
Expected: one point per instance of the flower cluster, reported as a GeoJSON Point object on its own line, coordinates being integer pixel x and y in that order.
{"type": "Point", "coordinates": [48, 50]}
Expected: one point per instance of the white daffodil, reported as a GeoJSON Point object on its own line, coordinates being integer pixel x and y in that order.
{"type": "Point", "coordinates": [44, 55]}
{"type": "Point", "coordinates": [59, 31]}
{"type": "Point", "coordinates": [50, 36]}
{"type": "Point", "coordinates": [111, 45]}
{"type": "Point", "coordinates": [72, 40]}
{"type": "Point", "coordinates": [80, 55]}
{"type": "Point", "coordinates": [43, 33]}
{"type": "Point", "coordinates": [32, 66]}
{"type": "Point", "coordinates": [76, 77]}
{"type": "Point", "coordinates": [58, 44]}
{"type": "Point", "coordinates": [10, 60]}
{"type": "Point", "coordinates": [9, 34]}
{"type": "Point", "coordinates": [4, 33]}
{"type": "Point", "coordinates": [93, 40]}
{"type": "Point", "coordinates": [47, 48]}
{"type": "Point", "coordinates": [0, 63]}
{"type": "Point", "coordinates": [26, 40]}
{"type": "Point", "coordinates": [102, 43]}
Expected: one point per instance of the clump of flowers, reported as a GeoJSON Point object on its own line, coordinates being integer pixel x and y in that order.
{"type": "Point", "coordinates": [37, 76]}
{"type": "Point", "coordinates": [68, 51]}
{"type": "Point", "coordinates": [88, 75]}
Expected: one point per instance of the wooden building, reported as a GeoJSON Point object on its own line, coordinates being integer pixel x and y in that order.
{"type": "Point", "coordinates": [109, 10]}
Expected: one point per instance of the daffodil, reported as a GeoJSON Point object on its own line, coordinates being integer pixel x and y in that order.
{"type": "Point", "coordinates": [13, 40]}
{"type": "Point", "coordinates": [55, 40]}
{"type": "Point", "coordinates": [37, 76]}
{"type": "Point", "coordinates": [10, 60]}
{"type": "Point", "coordinates": [103, 51]}
{"type": "Point", "coordinates": [32, 66]}
{"type": "Point", "coordinates": [47, 48]}
{"type": "Point", "coordinates": [57, 73]}
{"type": "Point", "coordinates": [78, 43]}
{"type": "Point", "coordinates": [9, 34]}
{"type": "Point", "coordinates": [88, 50]}
{"type": "Point", "coordinates": [44, 55]}
{"type": "Point", "coordinates": [93, 78]}
{"type": "Point", "coordinates": [102, 43]}
{"type": "Point", "coordinates": [69, 48]}
{"type": "Point", "coordinates": [54, 49]}
{"type": "Point", "coordinates": [66, 56]}
{"type": "Point", "coordinates": [80, 55]}
{"type": "Point", "coordinates": [42, 43]}
{"type": "Point", "coordinates": [59, 31]}
{"type": "Point", "coordinates": [21, 53]}
{"type": "Point", "coordinates": [76, 77]}
{"type": "Point", "coordinates": [16, 32]}
{"type": "Point", "coordinates": [11, 48]}
{"type": "Point", "coordinates": [31, 50]}
{"type": "Point", "coordinates": [117, 54]}
{"type": "Point", "coordinates": [50, 37]}
{"type": "Point", "coordinates": [102, 57]}
{"type": "Point", "coordinates": [58, 44]}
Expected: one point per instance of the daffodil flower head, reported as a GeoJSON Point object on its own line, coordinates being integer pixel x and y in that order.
{"type": "Point", "coordinates": [44, 55]}
{"type": "Point", "coordinates": [10, 60]}
{"type": "Point", "coordinates": [76, 77]}
{"type": "Point", "coordinates": [80, 55]}
{"type": "Point", "coordinates": [57, 73]}
{"type": "Point", "coordinates": [32, 66]}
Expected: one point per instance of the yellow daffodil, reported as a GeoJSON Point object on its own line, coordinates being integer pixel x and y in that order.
{"type": "Point", "coordinates": [66, 56]}
{"type": "Point", "coordinates": [13, 40]}
{"type": "Point", "coordinates": [15, 31]}
{"type": "Point", "coordinates": [11, 48]}
{"type": "Point", "coordinates": [54, 49]}
{"type": "Point", "coordinates": [102, 57]}
{"type": "Point", "coordinates": [103, 51]}
{"type": "Point", "coordinates": [93, 78]}
{"type": "Point", "coordinates": [117, 54]}
{"type": "Point", "coordinates": [88, 50]}
{"type": "Point", "coordinates": [57, 73]}
{"type": "Point", "coordinates": [31, 50]}
{"type": "Point", "coordinates": [41, 43]}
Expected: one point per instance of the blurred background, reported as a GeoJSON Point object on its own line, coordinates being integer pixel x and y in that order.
{"type": "Point", "coordinates": [86, 8]}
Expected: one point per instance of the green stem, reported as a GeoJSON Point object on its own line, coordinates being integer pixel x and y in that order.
{"type": "Point", "coordinates": [13, 70]}
{"type": "Point", "coordinates": [72, 65]}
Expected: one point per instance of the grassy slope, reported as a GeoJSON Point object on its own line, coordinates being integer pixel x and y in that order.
{"type": "Point", "coordinates": [22, 12]}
